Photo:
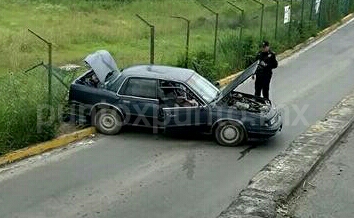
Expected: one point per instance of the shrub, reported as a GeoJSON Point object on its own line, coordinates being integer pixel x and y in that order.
{"type": "Point", "coordinates": [203, 63]}
{"type": "Point", "coordinates": [23, 110]}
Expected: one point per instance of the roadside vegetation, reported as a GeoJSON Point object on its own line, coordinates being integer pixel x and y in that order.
{"type": "Point", "coordinates": [77, 28]}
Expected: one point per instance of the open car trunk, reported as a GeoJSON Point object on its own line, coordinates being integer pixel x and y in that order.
{"type": "Point", "coordinates": [102, 64]}
{"type": "Point", "coordinates": [102, 68]}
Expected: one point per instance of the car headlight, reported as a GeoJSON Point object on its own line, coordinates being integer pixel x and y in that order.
{"type": "Point", "coordinates": [273, 120]}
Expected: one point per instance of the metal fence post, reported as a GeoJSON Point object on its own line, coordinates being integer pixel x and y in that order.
{"type": "Point", "coordinates": [50, 72]}
{"type": "Point", "coordinates": [152, 42]}
{"type": "Point", "coordinates": [276, 19]}
{"type": "Point", "coordinates": [242, 17]}
{"type": "Point", "coordinates": [216, 28]}
{"type": "Point", "coordinates": [311, 9]}
{"type": "Point", "coordinates": [262, 16]}
{"type": "Point", "coordinates": [152, 39]}
{"type": "Point", "coordinates": [319, 15]}
{"type": "Point", "coordinates": [187, 40]}
{"type": "Point", "coordinates": [49, 44]}
{"type": "Point", "coordinates": [216, 35]}
{"type": "Point", "coordinates": [302, 13]}
{"type": "Point", "coordinates": [291, 13]}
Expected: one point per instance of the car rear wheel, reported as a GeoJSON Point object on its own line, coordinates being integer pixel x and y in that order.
{"type": "Point", "coordinates": [108, 121]}
{"type": "Point", "coordinates": [230, 133]}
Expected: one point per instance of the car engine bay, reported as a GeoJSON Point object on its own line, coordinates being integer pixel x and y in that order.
{"type": "Point", "coordinates": [241, 101]}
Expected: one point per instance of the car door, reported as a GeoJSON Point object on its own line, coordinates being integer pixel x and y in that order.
{"type": "Point", "coordinates": [186, 117]}
{"type": "Point", "coordinates": [139, 102]}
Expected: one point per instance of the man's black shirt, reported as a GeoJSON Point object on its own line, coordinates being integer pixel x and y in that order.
{"type": "Point", "coordinates": [270, 60]}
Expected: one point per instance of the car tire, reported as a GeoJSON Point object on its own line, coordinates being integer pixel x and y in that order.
{"type": "Point", "coordinates": [230, 133]}
{"type": "Point", "coordinates": [108, 121]}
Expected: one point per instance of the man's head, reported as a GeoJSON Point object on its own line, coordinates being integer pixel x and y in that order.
{"type": "Point", "coordinates": [265, 46]}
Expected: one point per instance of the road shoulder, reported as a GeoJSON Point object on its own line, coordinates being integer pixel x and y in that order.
{"type": "Point", "coordinates": [328, 190]}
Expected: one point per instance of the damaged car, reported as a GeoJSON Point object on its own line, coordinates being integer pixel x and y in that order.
{"type": "Point", "coordinates": [169, 98]}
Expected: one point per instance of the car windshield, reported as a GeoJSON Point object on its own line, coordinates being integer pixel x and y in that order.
{"type": "Point", "coordinates": [203, 87]}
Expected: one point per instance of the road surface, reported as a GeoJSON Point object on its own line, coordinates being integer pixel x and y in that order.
{"type": "Point", "coordinates": [134, 175]}
{"type": "Point", "coordinates": [329, 192]}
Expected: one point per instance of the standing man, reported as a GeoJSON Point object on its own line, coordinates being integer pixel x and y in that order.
{"type": "Point", "coordinates": [267, 62]}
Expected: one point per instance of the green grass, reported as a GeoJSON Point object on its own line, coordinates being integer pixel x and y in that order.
{"type": "Point", "coordinates": [80, 28]}
{"type": "Point", "coordinates": [77, 28]}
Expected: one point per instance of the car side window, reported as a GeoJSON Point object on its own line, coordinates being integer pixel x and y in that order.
{"type": "Point", "coordinates": [139, 87]}
{"type": "Point", "coordinates": [174, 94]}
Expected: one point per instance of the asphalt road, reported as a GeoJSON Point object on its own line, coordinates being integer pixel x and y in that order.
{"type": "Point", "coordinates": [134, 175]}
{"type": "Point", "coordinates": [329, 192]}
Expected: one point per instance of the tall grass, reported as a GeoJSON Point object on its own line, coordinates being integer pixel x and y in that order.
{"type": "Point", "coordinates": [79, 27]}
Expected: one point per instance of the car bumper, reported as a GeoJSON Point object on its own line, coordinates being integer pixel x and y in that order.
{"type": "Point", "coordinates": [267, 131]}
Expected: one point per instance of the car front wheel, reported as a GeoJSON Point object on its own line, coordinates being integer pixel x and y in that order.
{"type": "Point", "coordinates": [108, 121]}
{"type": "Point", "coordinates": [230, 133]}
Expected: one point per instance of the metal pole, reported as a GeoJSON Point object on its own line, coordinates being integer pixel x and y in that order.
{"type": "Point", "coordinates": [262, 17]}
{"type": "Point", "coordinates": [50, 73]}
{"type": "Point", "coordinates": [216, 29]}
{"type": "Point", "coordinates": [216, 35]}
{"type": "Point", "coordinates": [276, 20]}
{"type": "Point", "coordinates": [262, 14]}
{"type": "Point", "coordinates": [242, 24]}
{"type": "Point", "coordinates": [311, 10]}
{"type": "Point", "coordinates": [242, 17]}
{"type": "Point", "coordinates": [319, 15]}
{"type": "Point", "coordinates": [187, 43]}
{"type": "Point", "coordinates": [152, 45]}
{"type": "Point", "coordinates": [152, 38]}
{"type": "Point", "coordinates": [302, 13]}
{"type": "Point", "coordinates": [291, 12]}
{"type": "Point", "coordinates": [187, 40]}
{"type": "Point", "coordinates": [49, 67]}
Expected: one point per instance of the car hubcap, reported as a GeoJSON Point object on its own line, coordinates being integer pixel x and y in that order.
{"type": "Point", "coordinates": [230, 134]}
{"type": "Point", "coordinates": [108, 121]}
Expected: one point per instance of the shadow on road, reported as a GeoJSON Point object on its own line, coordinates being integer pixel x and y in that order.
{"type": "Point", "coordinates": [180, 135]}
{"type": "Point", "coordinates": [199, 139]}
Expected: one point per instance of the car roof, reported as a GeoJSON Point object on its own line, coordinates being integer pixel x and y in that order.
{"type": "Point", "coordinates": [159, 72]}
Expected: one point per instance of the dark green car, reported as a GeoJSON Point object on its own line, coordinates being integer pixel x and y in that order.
{"type": "Point", "coordinates": [170, 98]}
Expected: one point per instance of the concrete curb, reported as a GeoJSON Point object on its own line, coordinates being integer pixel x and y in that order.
{"type": "Point", "coordinates": [275, 183]}
{"type": "Point", "coordinates": [46, 146]}
{"type": "Point", "coordinates": [287, 53]}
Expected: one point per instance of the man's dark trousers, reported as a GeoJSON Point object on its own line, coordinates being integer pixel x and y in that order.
{"type": "Point", "coordinates": [262, 85]}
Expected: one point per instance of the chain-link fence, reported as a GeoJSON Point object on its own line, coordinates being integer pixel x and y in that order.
{"type": "Point", "coordinates": [224, 36]}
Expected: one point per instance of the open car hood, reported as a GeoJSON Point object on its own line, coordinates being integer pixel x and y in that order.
{"type": "Point", "coordinates": [102, 63]}
{"type": "Point", "coordinates": [247, 73]}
